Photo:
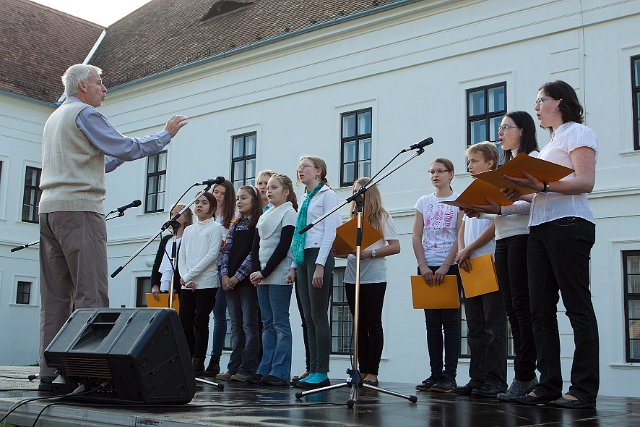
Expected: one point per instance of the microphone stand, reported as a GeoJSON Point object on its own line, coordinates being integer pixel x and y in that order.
{"type": "Point", "coordinates": [35, 242]}
{"type": "Point", "coordinates": [354, 380]}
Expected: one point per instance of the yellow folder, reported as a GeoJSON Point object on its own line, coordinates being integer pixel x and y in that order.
{"type": "Point", "coordinates": [477, 193]}
{"type": "Point", "coordinates": [541, 169]}
{"type": "Point", "coordinates": [444, 295]}
{"type": "Point", "coordinates": [163, 302]}
{"type": "Point", "coordinates": [481, 279]}
{"type": "Point", "coordinates": [345, 242]}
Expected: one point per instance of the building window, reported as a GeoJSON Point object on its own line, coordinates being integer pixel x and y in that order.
{"type": "Point", "coordinates": [143, 287]}
{"type": "Point", "coordinates": [243, 159]}
{"type": "Point", "coordinates": [486, 105]}
{"type": "Point", "coordinates": [355, 142]}
{"type": "Point", "coordinates": [23, 294]}
{"type": "Point", "coordinates": [227, 335]}
{"type": "Point", "coordinates": [631, 277]}
{"type": "Point", "coordinates": [156, 182]}
{"type": "Point", "coordinates": [32, 193]}
{"type": "Point", "coordinates": [635, 92]}
{"type": "Point", "coordinates": [341, 318]}
{"type": "Point", "coordinates": [465, 351]}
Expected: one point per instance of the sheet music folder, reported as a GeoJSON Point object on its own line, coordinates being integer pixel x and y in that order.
{"type": "Point", "coordinates": [345, 242]}
{"type": "Point", "coordinates": [444, 295]}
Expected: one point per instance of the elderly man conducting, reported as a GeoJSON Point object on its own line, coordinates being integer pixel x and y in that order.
{"type": "Point", "coordinates": [78, 146]}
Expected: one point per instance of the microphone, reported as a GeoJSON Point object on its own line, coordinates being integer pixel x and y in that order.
{"type": "Point", "coordinates": [133, 204]}
{"type": "Point", "coordinates": [419, 145]}
{"type": "Point", "coordinates": [218, 180]}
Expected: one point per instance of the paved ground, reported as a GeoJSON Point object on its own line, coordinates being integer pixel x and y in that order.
{"type": "Point", "coordinates": [244, 405]}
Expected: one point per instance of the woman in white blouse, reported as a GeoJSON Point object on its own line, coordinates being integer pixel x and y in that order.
{"type": "Point", "coordinates": [562, 232]}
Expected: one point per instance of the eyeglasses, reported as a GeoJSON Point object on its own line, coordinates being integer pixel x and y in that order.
{"type": "Point", "coordinates": [504, 128]}
{"type": "Point", "coordinates": [304, 166]}
{"type": "Point", "coordinates": [541, 100]}
{"type": "Point", "coordinates": [437, 171]}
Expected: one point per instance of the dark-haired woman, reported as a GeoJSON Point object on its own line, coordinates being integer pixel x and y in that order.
{"type": "Point", "coordinates": [562, 232]}
{"type": "Point", "coordinates": [516, 134]}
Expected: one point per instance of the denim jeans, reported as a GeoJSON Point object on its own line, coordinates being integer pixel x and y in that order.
{"type": "Point", "coordinates": [558, 260]}
{"type": "Point", "coordinates": [511, 268]}
{"type": "Point", "coordinates": [195, 307]}
{"type": "Point", "coordinates": [219, 322]}
{"type": "Point", "coordinates": [438, 322]}
{"type": "Point", "coordinates": [370, 332]}
{"type": "Point", "coordinates": [315, 304]}
{"type": "Point", "coordinates": [243, 311]}
{"type": "Point", "coordinates": [274, 303]}
{"type": "Point", "coordinates": [487, 337]}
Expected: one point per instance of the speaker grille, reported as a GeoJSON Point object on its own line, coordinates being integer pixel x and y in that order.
{"type": "Point", "coordinates": [86, 367]}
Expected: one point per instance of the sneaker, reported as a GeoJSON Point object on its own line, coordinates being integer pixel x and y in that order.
{"type": "Point", "coordinates": [487, 390]}
{"type": "Point", "coordinates": [254, 379]}
{"type": "Point", "coordinates": [198, 366]}
{"type": "Point", "coordinates": [224, 377]}
{"type": "Point", "coordinates": [466, 390]}
{"type": "Point", "coordinates": [241, 378]}
{"type": "Point", "coordinates": [517, 388]}
{"type": "Point", "coordinates": [273, 381]}
{"type": "Point", "coordinates": [444, 385]}
{"type": "Point", "coordinates": [428, 383]}
{"type": "Point", "coordinates": [213, 369]}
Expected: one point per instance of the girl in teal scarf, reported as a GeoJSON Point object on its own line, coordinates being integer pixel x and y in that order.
{"type": "Point", "coordinates": [313, 262]}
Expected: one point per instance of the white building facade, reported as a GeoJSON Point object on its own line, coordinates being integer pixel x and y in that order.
{"type": "Point", "coordinates": [422, 69]}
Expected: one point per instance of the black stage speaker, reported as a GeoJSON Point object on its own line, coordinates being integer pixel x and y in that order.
{"type": "Point", "coordinates": [128, 355]}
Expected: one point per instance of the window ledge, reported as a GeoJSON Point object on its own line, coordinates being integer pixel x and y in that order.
{"type": "Point", "coordinates": [23, 305]}
{"type": "Point", "coordinates": [630, 153]}
{"type": "Point", "coordinates": [630, 365]}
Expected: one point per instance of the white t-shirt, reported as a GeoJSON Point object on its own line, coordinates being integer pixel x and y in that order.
{"type": "Point", "coordinates": [473, 228]}
{"type": "Point", "coordinates": [372, 270]}
{"type": "Point", "coordinates": [440, 228]}
{"type": "Point", "coordinates": [550, 206]}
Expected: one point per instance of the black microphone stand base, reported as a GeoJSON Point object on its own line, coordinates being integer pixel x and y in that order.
{"type": "Point", "coordinates": [213, 383]}
{"type": "Point", "coordinates": [355, 383]}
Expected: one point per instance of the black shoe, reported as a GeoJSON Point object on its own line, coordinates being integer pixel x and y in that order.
{"type": "Point", "coordinates": [198, 366]}
{"type": "Point", "coordinates": [46, 384]}
{"type": "Point", "coordinates": [466, 390]}
{"type": "Point", "coordinates": [213, 368]}
{"type": "Point", "coordinates": [517, 388]}
{"type": "Point", "coordinates": [487, 390]}
{"type": "Point", "coordinates": [572, 404]}
{"type": "Point", "coordinates": [273, 381]}
{"type": "Point", "coordinates": [538, 399]}
{"type": "Point", "coordinates": [425, 385]}
{"type": "Point", "coordinates": [445, 385]}
{"type": "Point", "coordinates": [254, 379]}
{"type": "Point", "coordinates": [310, 386]}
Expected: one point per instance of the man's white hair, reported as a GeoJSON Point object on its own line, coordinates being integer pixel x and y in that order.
{"type": "Point", "coordinates": [75, 74]}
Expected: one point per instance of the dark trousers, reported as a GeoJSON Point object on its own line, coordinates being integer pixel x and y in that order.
{"type": "Point", "coordinates": [242, 302]}
{"type": "Point", "coordinates": [558, 260]}
{"type": "Point", "coordinates": [487, 338]}
{"type": "Point", "coordinates": [195, 307]}
{"type": "Point", "coordinates": [305, 337]}
{"type": "Point", "coordinates": [315, 304]}
{"type": "Point", "coordinates": [438, 322]}
{"type": "Point", "coordinates": [511, 268]}
{"type": "Point", "coordinates": [370, 333]}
